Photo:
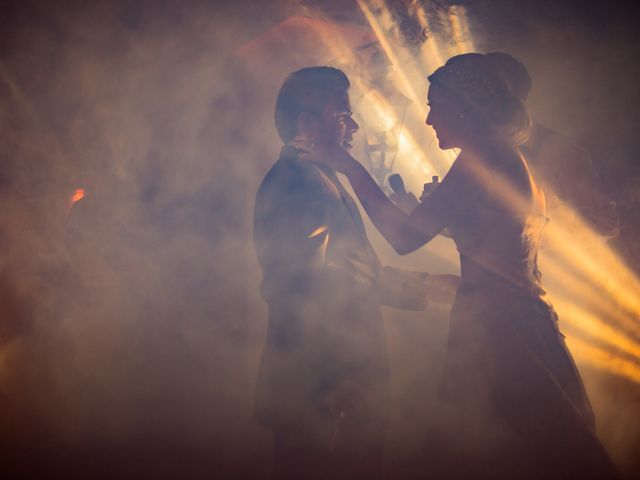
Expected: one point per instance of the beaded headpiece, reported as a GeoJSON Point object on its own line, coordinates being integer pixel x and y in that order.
{"type": "Point", "coordinates": [453, 76]}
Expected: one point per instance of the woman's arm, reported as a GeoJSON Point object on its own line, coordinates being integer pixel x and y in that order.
{"type": "Point", "coordinates": [404, 232]}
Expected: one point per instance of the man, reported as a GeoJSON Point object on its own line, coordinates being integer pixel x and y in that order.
{"type": "Point", "coordinates": [323, 380]}
{"type": "Point", "coordinates": [323, 384]}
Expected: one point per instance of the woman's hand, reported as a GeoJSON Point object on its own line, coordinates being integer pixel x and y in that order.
{"type": "Point", "coordinates": [429, 187]}
{"type": "Point", "coordinates": [333, 156]}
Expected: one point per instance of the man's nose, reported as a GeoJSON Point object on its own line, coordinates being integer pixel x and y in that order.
{"type": "Point", "coordinates": [354, 127]}
{"type": "Point", "coordinates": [428, 119]}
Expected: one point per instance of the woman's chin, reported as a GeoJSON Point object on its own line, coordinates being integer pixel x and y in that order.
{"type": "Point", "coordinates": [443, 144]}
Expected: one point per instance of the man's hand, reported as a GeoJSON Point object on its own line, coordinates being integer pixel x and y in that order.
{"type": "Point", "coordinates": [442, 288]}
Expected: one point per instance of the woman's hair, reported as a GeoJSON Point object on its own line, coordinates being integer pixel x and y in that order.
{"type": "Point", "coordinates": [306, 90]}
{"type": "Point", "coordinates": [483, 89]}
{"type": "Point", "coordinates": [516, 73]}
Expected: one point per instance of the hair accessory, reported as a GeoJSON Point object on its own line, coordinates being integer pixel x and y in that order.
{"type": "Point", "coordinates": [474, 79]}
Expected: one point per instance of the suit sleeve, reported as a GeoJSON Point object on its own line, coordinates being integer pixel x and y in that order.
{"type": "Point", "coordinates": [291, 229]}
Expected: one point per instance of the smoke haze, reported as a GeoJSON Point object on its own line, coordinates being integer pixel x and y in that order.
{"type": "Point", "coordinates": [130, 321]}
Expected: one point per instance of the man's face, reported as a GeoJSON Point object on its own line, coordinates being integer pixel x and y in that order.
{"type": "Point", "coordinates": [336, 125]}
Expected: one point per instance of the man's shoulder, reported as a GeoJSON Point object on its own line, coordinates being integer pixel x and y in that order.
{"type": "Point", "coordinates": [290, 168]}
{"type": "Point", "coordinates": [292, 175]}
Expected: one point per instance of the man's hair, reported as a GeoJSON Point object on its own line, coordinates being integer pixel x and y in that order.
{"type": "Point", "coordinates": [306, 90]}
{"type": "Point", "coordinates": [516, 73]}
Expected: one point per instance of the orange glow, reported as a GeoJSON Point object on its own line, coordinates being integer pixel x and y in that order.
{"type": "Point", "coordinates": [391, 55]}
{"type": "Point", "coordinates": [589, 323]}
{"type": "Point", "coordinates": [318, 231]}
{"type": "Point", "coordinates": [460, 30]}
{"type": "Point", "coordinates": [76, 197]}
{"type": "Point", "coordinates": [603, 360]}
{"type": "Point", "coordinates": [408, 74]}
{"type": "Point", "coordinates": [431, 52]}
{"type": "Point", "coordinates": [593, 290]}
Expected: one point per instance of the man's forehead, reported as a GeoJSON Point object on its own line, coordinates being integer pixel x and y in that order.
{"type": "Point", "coordinates": [339, 101]}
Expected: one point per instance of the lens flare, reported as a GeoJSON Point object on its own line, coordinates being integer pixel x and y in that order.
{"type": "Point", "coordinates": [318, 231]}
{"type": "Point", "coordinates": [76, 197]}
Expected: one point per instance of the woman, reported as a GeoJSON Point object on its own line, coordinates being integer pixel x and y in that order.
{"type": "Point", "coordinates": [512, 402]}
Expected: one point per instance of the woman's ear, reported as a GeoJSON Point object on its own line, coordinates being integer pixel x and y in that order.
{"type": "Point", "coordinates": [466, 110]}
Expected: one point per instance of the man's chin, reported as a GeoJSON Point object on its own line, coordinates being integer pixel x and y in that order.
{"type": "Point", "coordinates": [346, 145]}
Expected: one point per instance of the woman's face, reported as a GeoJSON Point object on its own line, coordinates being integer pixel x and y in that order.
{"type": "Point", "coordinates": [446, 116]}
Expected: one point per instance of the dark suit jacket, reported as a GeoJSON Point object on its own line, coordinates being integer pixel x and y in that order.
{"type": "Point", "coordinates": [320, 280]}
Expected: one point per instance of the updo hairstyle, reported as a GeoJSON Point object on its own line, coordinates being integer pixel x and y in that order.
{"type": "Point", "coordinates": [481, 86]}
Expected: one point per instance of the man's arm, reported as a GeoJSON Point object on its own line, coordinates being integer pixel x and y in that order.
{"type": "Point", "coordinates": [291, 228]}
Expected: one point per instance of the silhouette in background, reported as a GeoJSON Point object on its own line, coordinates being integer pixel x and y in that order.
{"type": "Point", "coordinates": [512, 403]}
{"type": "Point", "coordinates": [564, 170]}
{"type": "Point", "coordinates": [406, 201]}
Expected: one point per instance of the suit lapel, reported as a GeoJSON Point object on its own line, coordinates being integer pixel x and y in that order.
{"type": "Point", "coordinates": [355, 216]}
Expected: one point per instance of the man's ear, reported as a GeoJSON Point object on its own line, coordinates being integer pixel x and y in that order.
{"type": "Point", "coordinates": [307, 124]}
